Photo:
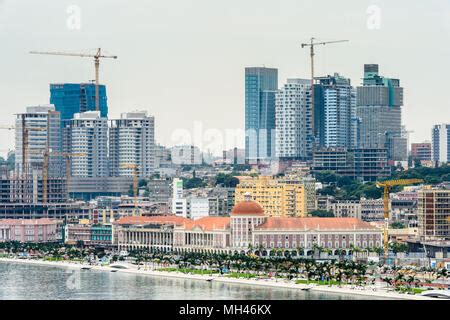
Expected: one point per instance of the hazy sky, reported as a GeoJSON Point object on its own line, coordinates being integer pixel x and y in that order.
{"type": "Point", "coordinates": [183, 61]}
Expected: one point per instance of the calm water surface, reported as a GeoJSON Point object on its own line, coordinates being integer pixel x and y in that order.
{"type": "Point", "coordinates": [22, 281]}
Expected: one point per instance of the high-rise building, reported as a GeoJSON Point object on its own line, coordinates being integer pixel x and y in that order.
{"type": "Point", "coordinates": [335, 112]}
{"type": "Point", "coordinates": [293, 120]}
{"type": "Point", "coordinates": [434, 214]}
{"type": "Point", "coordinates": [379, 102]}
{"type": "Point", "coordinates": [87, 133]}
{"type": "Point", "coordinates": [132, 141]}
{"type": "Point", "coordinates": [440, 144]}
{"type": "Point", "coordinates": [38, 131]}
{"type": "Point", "coordinates": [71, 98]}
{"type": "Point", "coordinates": [261, 84]}
{"type": "Point", "coordinates": [421, 151]}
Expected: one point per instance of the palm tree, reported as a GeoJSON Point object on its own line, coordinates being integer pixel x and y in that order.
{"type": "Point", "coordinates": [317, 249]}
{"type": "Point", "coordinates": [410, 280]}
{"type": "Point", "coordinates": [309, 268]}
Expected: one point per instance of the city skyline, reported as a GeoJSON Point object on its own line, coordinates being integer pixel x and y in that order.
{"type": "Point", "coordinates": [143, 76]}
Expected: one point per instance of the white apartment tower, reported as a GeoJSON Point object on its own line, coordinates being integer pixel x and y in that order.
{"type": "Point", "coordinates": [88, 134]}
{"type": "Point", "coordinates": [440, 145]}
{"type": "Point", "coordinates": [132, 141]}
{"type": "Point", "coordinates": [36, 131]}
{"type": "Point", "coordinates": [293, 119]}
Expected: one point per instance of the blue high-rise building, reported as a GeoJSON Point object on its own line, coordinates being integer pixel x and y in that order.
{"type": "Point", "coordinates": [261, 84]}
{"type": "Point", "coordinates": [71, 98]}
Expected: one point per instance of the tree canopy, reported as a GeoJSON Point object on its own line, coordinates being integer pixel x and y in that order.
{"type": "Point", "coordinates": [322, 213]}
{"type": "Point", "coordinates": [227, 180]}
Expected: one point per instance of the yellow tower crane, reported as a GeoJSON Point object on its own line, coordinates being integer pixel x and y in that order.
{"type": "Point", "coordinates": [311, 45]}
{"type": "Point", "coordinates": [45, 168]}
{"type": "Point", "coordinates": [387, 185]}
{"type": "Point", "coordinates": [96, 57]}
{"type": "Point", "coordinates": [68, 157]}
{"type": "Point", "coordinates": [135, 168]}
{"type": "Point", "coordinates": [25, 150]}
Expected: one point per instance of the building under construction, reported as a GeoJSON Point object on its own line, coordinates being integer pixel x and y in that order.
{"type": "Point", "coordinates": [21, 197]}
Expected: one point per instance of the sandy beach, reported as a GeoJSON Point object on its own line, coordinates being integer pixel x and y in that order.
{"type": "Point", "coordinates": [378, 293]}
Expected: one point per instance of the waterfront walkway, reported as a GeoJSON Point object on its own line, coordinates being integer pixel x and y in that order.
{"type": "Point", "coordinates": [280, 283]}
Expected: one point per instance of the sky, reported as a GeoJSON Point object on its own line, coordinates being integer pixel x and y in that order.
{"type": "Point", "coordinates": [183, 60]}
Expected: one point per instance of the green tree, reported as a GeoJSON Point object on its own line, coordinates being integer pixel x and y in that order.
{"type": "Point", "coordinates": [193, 182]}
{"type": "Point", "coordinates": [226, 180]}
{"type": "Point", "coordinates": [321, 213]}
{"type": "Point", "coordinates": [397, 225]}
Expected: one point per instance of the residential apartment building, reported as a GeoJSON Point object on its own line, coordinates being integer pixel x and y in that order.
{"type": "Point", "coordinates": [346, 209]}
{"type": "Point", "coordinates": [37, 131]}
{"type": "Point", "coordinates": [372, 209]}
{"type": "Point", "coordinates": [132, 142]}
{"type": "Point", "coordinates": [421, 151]}
{"type": "Point", "coordinates": [434, 214]}
{"type": "Point", "coordinates": [278, 198]}
{"type": "Point", "coordinates": [293, 139]}
{"type": "Point", "coordinates": [87, 134]}
{"type": "Point", "coordinates": [440, 144]}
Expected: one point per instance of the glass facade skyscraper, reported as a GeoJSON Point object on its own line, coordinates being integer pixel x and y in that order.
{"type": "Point", "coordinates": [261, 84]}
{"type": "Point", "coordinates": [379, 104]}
{"type": "Point", "coordinates": [71, 98]}
{"type": "Point", "coordinates": [335, 110]}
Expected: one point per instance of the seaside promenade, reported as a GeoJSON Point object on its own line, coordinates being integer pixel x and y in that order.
{"type": "Point", "coordinates": [279, 283]}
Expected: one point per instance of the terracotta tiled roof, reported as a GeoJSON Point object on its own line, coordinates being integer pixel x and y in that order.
{"type": "Point", "coordinates": [17, 222]}
{"type": "Point", "coordinates": [208, 223]}
{"type": "Point", "coordinates": [315, 223]}
{"type": "Point", "coordinates": [248, 207]}
{"type": "Point", "coordinates": [156, 219]}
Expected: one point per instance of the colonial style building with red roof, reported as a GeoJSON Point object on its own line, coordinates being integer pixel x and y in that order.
{"type": "Point", "coordinates": [246, 228]}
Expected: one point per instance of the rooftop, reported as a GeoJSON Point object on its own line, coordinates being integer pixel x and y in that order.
{"type": "Point", "coordinates": [315, 223]}
{"type": "Point", "coordinates": [141, 220]}
{"type": "Point", "coordinates": [247, 208]}
{"type": "Point", "coordinates": [17, 222]}
{"type": "Point", "coordinates": [209, 223]}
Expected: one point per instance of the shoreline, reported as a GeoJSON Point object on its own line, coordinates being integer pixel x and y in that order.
{"type": "Point", "coordinates": [267, 283]}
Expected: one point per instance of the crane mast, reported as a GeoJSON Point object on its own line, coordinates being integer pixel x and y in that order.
{"type": "Point", "coordinates": [135, 169]}
{"type": "Point", "coordinates": [311, 45]}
